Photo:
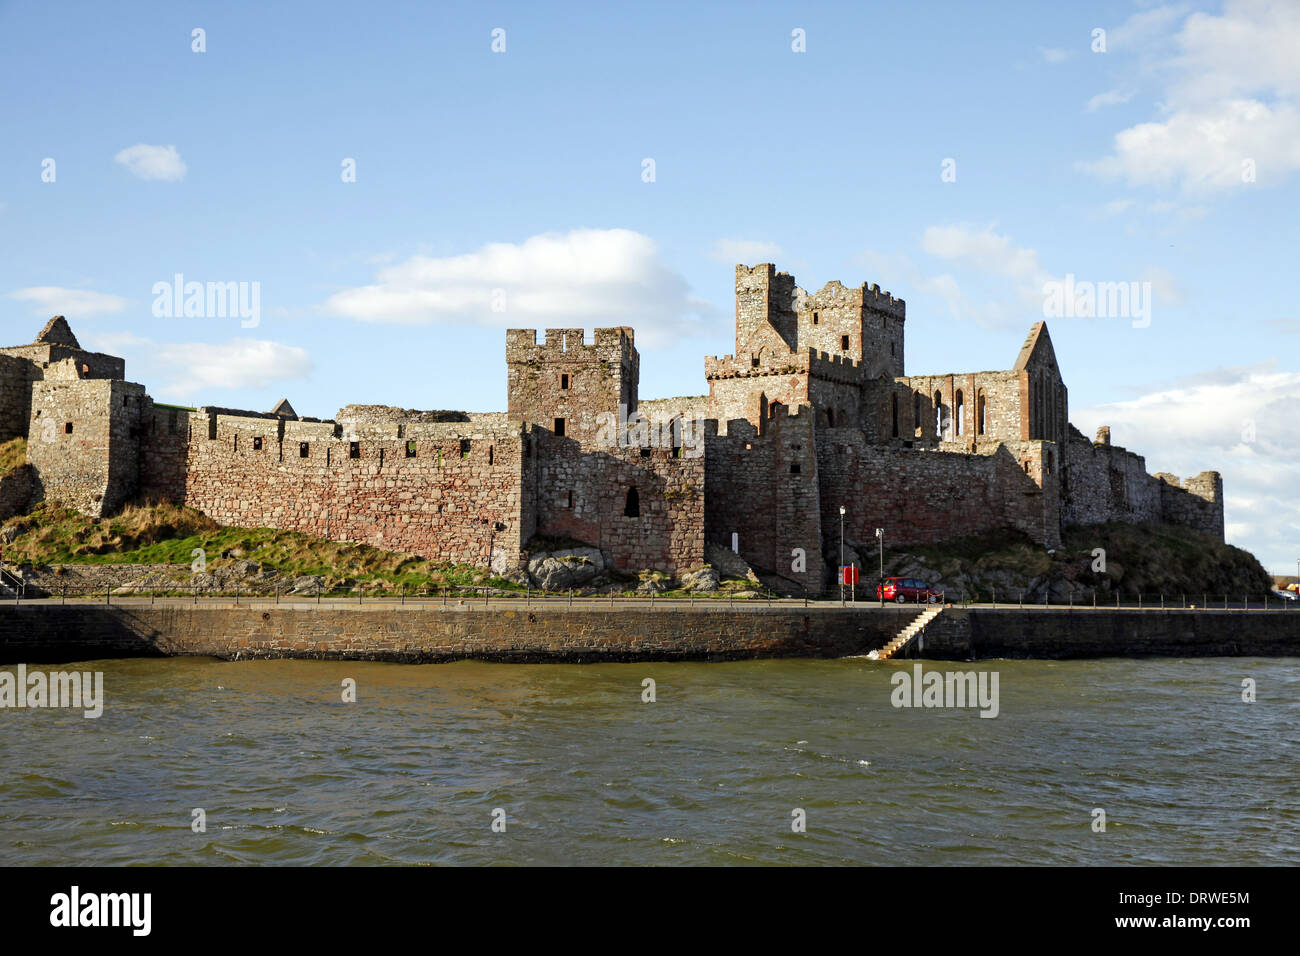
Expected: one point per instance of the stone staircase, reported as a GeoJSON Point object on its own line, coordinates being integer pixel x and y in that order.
{"type": "Point", "coordinates": [905, 636]}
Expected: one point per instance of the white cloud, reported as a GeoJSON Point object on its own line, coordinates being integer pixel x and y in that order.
{"type": "Point", "coordinates": [1118, 206]}
{"type": "Point", "coordinates": [1231, 93]}
{"type": "Point", "coordinates": [73, 303]}
{"type": "Point", "coordinates": [1206, 149]}
{"type": "Point", "coordinates": [745, 251]}
{"type": "Point", "coordinates": [984, 250]}
{"type": "Point", "coordinates": [1054, 55]}
{"type": "Point", "coordinates": [587, 277]}
{"type": "Point", "coordinates": [1144, 30]}
{"type": "Point", "coordinates": [1237, 421]}
{"type": "Point", "coordinates": [153, 162]}
{"type": "Point", "coordinates": [1008, 279]}
{"type": "Point", "coordinates": [191, 369]}
{"type": "Point", "coordinates": [1109, 98]}
{"type": "Point", "coordinates": [994, 283]}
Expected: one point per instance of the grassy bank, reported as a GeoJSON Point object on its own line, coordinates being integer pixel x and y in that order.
{"type": "Point", "coordinates": [168, 534]}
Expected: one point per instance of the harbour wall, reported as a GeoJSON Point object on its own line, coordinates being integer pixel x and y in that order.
{"type": "Point", "coordinates": [1059, 634]}
{"type": "Point", "coordinates": [50, 633]}
{"type": "Point", "coordinates": [418, 634]}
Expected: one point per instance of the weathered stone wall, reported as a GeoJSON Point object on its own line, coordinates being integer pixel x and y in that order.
{"type": "Point", "coordinates": [89, 364]}
{"type": "Point", "coordinates": [984, 634]}
{"type": "Point", "coordinates": [766, 320]}
{"type": "Point", "coordinates": [1000, 392]}
{"type": "Point", "coordinates": [564, 379]}
{"type": "Point", "coordinates": [587, 494]}
{"type": "Point", "coordinates": [1108, 483]}
{"type": "Point", "coordinates": [1196, 503]}
{"type": "Point", "coordinates": [444, 491]}
{"type": "Point", "coordinates": [165, 435]}
{"type": "Point", "coordinates": [414, 634]}
{"type": "Point", "coordinates": [921, 496]}
{"type": "Point", "coordinates": [741, 390]}
{"type": "Point", "coordinates": [16, 488]}
{"type": "Point", "coordinates": [861, 323]}
{"type": "Point", "coordinates": [378, 414]}
{"type": "Point", "coordinates": [766, 490]}
{"type": "Point", "coordinates": [84, 442]}
{"type": "Point", "coordinates": [77, 632]}
{"type": "Point", "coordinates": [16, 377]}
{"type": "Point", "coordinates": [660, 410]}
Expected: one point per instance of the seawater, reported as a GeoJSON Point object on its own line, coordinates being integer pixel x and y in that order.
{"type": "Point", "coordinates": [710, 773]}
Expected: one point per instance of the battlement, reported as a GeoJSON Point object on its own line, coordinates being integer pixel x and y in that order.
{"type": "Point", "coordinates": [569, 345]}
{"type": "Point", "coordinates": [876, 299]}
{"type": "Point", "coordinates": [768, 363]}
{"type": "Point", "coordinates": [871, 297]}
{"type": "Point", "coordinates": [832, 360]}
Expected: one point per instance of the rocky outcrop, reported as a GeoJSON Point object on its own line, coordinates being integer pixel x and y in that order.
{"type": "Point", "coordinates": [566, 569]}
{"type": "Point", "coordinates": [729, 565]}
{"type": "Point", "coordinates": [701, 579]}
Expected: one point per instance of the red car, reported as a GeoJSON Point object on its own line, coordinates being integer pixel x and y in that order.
{"type": "Point", "coordinates": [903, 590]}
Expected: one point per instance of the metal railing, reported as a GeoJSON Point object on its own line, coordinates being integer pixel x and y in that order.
{"type": "Point", "coordinates": [487, 596]}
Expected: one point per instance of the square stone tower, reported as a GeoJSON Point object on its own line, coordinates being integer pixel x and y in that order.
{"type": "Point", "coordinates": [565, 385]}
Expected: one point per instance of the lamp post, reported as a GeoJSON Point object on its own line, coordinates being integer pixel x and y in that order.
{"type": "Point", "coordinates": [841, 574]}
{"type": "Point", "coordinates": [880, 533]}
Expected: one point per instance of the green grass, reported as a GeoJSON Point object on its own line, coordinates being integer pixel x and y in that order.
{"type": "Point", "coordinates": [169, 534]}
{"type": "Point", "coordinates": [13, 454]}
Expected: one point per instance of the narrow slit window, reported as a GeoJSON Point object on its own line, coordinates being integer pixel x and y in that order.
{"type": "Point", "coordinates": [464, 448]}
{"type": "Point", "coordinates": [354, 449]}
{"type": "Point", "coordinates": [844, 343]}
{"type": "Point", "coordinates": [564, 381]}
{"type": "Point", "coordinates": [632, 507]}
{"type": "Point", "coordinates": [559, 427]}
{"type": "Point", "coordinates": [257, 443]}
{"type": "Point", "coordinates": [410, 449]}
{"type": "Point", "coordinates": [67, 428]}
{"type": "Point", "coordinates": [304, 449]}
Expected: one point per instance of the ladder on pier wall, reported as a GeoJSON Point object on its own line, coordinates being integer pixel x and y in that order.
{"type": "Point", "coordinates": [906, 635]}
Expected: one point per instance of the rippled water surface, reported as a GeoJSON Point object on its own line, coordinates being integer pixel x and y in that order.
{"type": "Point", "coordinates": [708, 774]}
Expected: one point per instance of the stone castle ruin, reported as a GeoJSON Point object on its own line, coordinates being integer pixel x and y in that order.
{"type": "Point", "coordinates": [811, 412]}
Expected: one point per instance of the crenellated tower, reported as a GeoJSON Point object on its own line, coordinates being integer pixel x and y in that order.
{"type": "Point", "coordinates": [565, 384]}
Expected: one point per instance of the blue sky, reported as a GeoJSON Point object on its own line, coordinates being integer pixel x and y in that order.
{"type": "Point", "coordinates": [522, 171]}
